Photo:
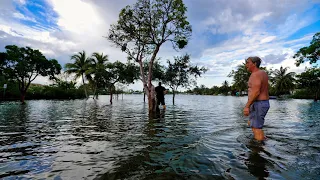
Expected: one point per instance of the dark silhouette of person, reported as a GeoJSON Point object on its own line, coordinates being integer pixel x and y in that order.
{"type": "Point", "coordinates": [160, 91]}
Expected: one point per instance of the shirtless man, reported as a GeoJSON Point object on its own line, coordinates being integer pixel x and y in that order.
{"type": "Point", "coordinates": [258, 97]}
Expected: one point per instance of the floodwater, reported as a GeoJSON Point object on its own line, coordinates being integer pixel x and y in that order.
{"type": "Point", "coordinates": [201, 137]}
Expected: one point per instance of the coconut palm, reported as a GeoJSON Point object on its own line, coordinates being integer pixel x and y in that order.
{"type": "Point", "coordinates": [225, 88]}
{"type": "Point", "coordinates": [79, 67]}
{"type": "Point", "coordinates": [240, 77]}
{"type": "Point", "coordinates": [97, 70]}
{"type": "Point", "coordinates": [282, 81]}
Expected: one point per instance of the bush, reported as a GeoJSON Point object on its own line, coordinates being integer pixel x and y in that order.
{"type": "Point", "coordinates": [303, 94]}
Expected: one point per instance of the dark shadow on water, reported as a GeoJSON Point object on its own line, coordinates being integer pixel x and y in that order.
{"type": "Point", "coordinates": [256, 163]}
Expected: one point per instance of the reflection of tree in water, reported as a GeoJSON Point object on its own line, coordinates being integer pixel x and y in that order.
{"type": "Point", "coordinates": [159, 152]}
{"type": "Point", "coordinates": [256, 163]}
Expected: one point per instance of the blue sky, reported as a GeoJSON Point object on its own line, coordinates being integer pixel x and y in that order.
{"type": "Point", "coordinates": [225, 32]}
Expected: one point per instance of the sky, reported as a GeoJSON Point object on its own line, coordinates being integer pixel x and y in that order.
{"type": "Point", "coordinates": [224, 32]}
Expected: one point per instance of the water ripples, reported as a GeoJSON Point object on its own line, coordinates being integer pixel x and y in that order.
{"type": "Point", "coordinates": [201, 137]}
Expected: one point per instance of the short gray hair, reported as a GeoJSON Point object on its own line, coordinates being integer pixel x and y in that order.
{"type": "Point", "coordinates": [255, 59]}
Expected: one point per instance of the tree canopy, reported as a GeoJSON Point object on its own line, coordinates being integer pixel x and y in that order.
{"type": "Point", "coordinates": [310, 79]}
{"type": "Point", "coordinates": [309, 53]}
{"type": "Point", "coordinates": [282, 81]}
{"type": "Point", "coordinates": [24, 64]}
{"type": "Point", "coordinates": [181, 73]}
{"type": "Point", "coordinates": [79, 67]}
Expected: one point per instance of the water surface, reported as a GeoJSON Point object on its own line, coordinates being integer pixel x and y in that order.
{"type": "Point", "coordinates": [201, 137]}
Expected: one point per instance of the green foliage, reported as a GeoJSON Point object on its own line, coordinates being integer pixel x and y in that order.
{"type": "Point", "coordinates": [80, 67]}
{"type": "Point", "coordinates": [303, 94]}
{"type": "Point", "coordinates": [225, 88]}
{"type": "Point", "coordinates": [25, 64]}
{"type": "Point", "coordinates": [282, 81]}
{"type": "Point", "coordinates": [310, 80]}
{"type": "Point", "coordinates": [96, 71]}
{"type": "Point", "coordinates": [144, 27]}
{"type": "Point", "coordinates": [215, 90]}
{"type": "Point", "coordinates": [148, 24]}
{"type": "Point", "coordinates": [118, 72]}
{"type": "Point", "coordinates": [158, 70]}
{"type": "Point", "coordinates": [181, 73]}
{"type": "Point", "coordinates": [240, 77]}
{"type": "Point", "coordinates": [309, 53]}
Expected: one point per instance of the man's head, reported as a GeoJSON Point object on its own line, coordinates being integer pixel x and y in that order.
{"type": "Point", "coordinates": [159, 83]}
{"type": "Point", "coordinates": [252, 63]}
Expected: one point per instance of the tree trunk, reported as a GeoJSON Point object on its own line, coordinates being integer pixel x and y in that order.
{"type": "Point", "coordinates": [22, 98]}
{"type": "Point", "coordinates": [173, 95]}
{"type": "Point", "coordinates": [110, 90]}
{"type": "Point", "coordinates": [152, 106]}
{"type": "Point", "coordinates": [95, 94]}
{"type": "Point", "coordinates": [85, 89]}
{"type": "Point", "coordinates": [149, 88]}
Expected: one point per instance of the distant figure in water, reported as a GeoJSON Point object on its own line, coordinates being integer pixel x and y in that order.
{"type": "Point", "coordinates": [258, 97]}
{"type": "Point", "coordinates": [161, 91]}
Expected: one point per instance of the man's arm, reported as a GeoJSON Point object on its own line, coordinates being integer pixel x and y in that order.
{"type": "Point", "coordinates": [165, 91]}
{"type": "Point", "coordinates": [254, 90]}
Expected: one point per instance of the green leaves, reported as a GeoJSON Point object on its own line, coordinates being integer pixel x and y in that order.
{"type": "Point", "coordinates": [240, 77]}
{"type": "Point", "coordinates": [309, 53]}
{"type": "Point", "coordinates": [310, 79]}
{"type": "Point", "coordinates": [24, 64]}
{"type": "Point", "coordinates": [282, 81]}
{"type": "Point", "coordinates": [181, 74]}
{"type": "Point", "coordinates": [150, 23]}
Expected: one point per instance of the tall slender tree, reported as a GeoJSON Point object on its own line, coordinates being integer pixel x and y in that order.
{"type": "Point", "coordinates": [181, 73]}
{"type": "Point", "coordinates": [79, 67]}
{"type": "Point", "coordinates": [97, 70]}
{"type": "Point", "coordinates": [118, 72]}
{"type": "Point", "coordinates": [144, 27]}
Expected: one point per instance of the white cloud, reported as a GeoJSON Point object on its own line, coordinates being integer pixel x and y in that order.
{"type": "Point", "coordinates": [76, 16]}
{"type": "Point", "coordinates": [23, 17]}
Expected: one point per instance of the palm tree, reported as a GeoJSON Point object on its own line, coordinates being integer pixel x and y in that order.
{"type": "Point", "coordinates": [240, 78]}
{"type": "Point", "coordinates": [225, 88]}
{"type": "Point", "coordinates": [80, 67]}
{"type": "Point", "coordinates": [97, 69]}
{"type": "Point", "coordinates": [282, 81]}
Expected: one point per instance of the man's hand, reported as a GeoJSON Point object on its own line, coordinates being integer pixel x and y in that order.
{"type": "Point", "coordinates": [246, 111]}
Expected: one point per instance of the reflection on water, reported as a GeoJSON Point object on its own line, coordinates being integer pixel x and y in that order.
{"type": "Point", "coordinates": [201, 137]}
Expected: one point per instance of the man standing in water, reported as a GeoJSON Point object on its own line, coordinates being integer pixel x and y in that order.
{"type": "Point", "coordinates": [258, 97]}
{"type": "Point", "coordinates": [161, 91]}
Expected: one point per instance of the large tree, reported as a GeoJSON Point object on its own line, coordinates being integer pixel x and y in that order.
{"type": "Point", "coordinates": [309, 53]}
{"type": "Point", "coordinates": [181, 73]}
{"type": "Point", "coordinates": [144, 27]}
{"type": "Point", "coordinates": [282, 81]}
{"type": "Point", "coordinates": [310, 79]}
{"type": "Point", "coordinates": [24, 64]}
{"type": "Point", "coordinates": [118, 72]}
{"type": "Point", "coordinates": [80, 67]}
